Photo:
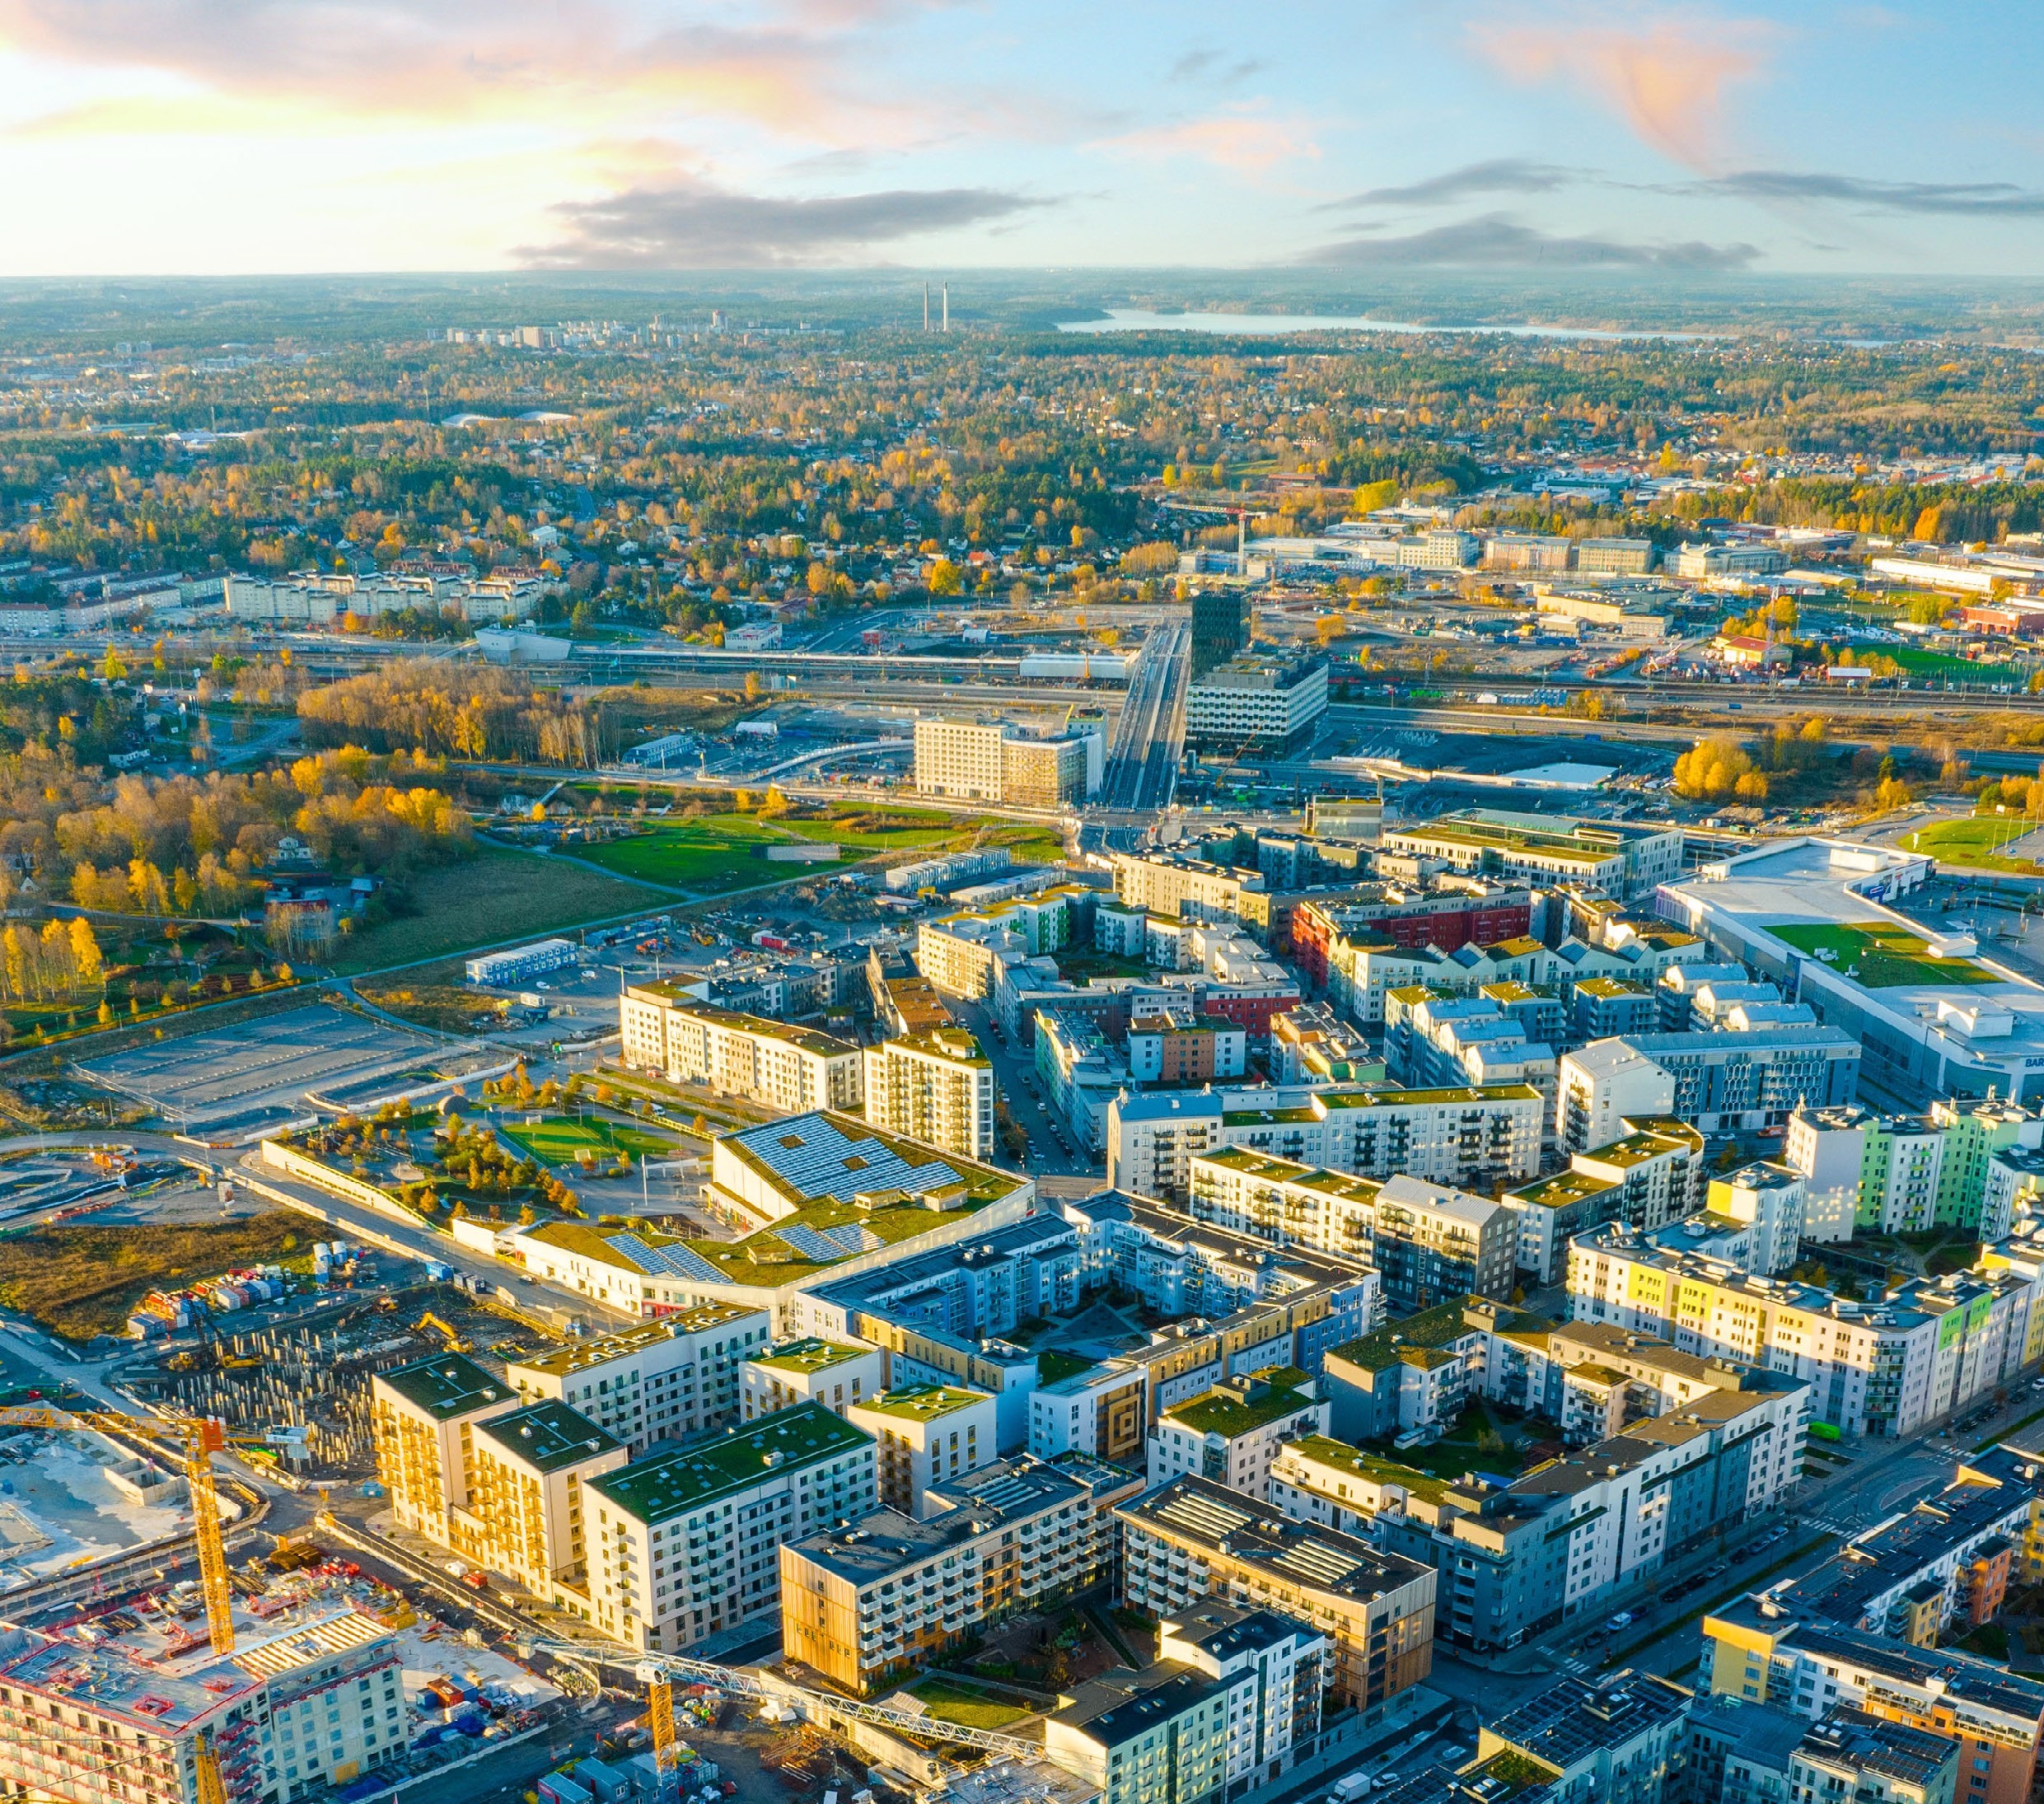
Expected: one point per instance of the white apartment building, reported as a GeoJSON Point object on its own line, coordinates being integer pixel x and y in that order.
{"type": "Point", "coordinates": [1597, 1086]}
{"type": "Point", "coordinates": [1274, 702]}
{"type": "Point", "coordinates": [687, 1542]}
{"type": "Point", "coordinates": [1231, 1434]}
{"type": "Point", "coordinates": [1100, 1412]}
{"type": "Point", "coordinates": [524, 1519]}
{"type": "Point", "coordinates": [1182, 888]}
{"type": "Point", "coordinates": [669, 1377]}
{"type": "Point", "coordinates": [1873, 1368]}
{"type": "Point", "coordinates": [1472, 1139]}
{"type": "Point", "coordinates": [293, 1711]}
{"type": "Point", "coordinates": [834, 1373]}
{"type": "Point", "coordinates": [936, 1087]}
{"type": "Point", "coordinates": [790, 1068]}
{"type": "Point", "coordinates": [928, 1437]}
{"type": "Point", "coordinates": [996, 762]}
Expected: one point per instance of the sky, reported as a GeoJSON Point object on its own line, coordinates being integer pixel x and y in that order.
{"type": "Point", "coordinates": [286, 135]}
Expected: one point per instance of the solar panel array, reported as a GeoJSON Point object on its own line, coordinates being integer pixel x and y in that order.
{"type": "Point", "coordinates": [674, 1261]}
{"type": "Point", "coordinates": [817, 1159]}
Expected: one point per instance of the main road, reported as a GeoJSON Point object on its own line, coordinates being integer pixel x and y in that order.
{"type": "Point", "coordinates": [1141, 773]}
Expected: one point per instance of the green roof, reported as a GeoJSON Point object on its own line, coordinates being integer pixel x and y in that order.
{"type": "Point", "coordinates": [923, 1403]}
{"type": "Point", "coordinates": [447, 1385]}
{"type": "Point", "coordinates": [549, 1435]}
{"type": "Point", "coordinates": [1611, 986]}
{"type": "Point", "coordinates": [582, 1355]}
{"type": "Point", "coordinates": [809, 1356]}
{"type": "Point", "coordinates": [1224, 1412]}
{"type": "Point", "coordinates": [671, 1483]}
{"type": "Point", "coordinates": [1559, 1191]}
{"type": "Point", "coordinates": [1430, 1329]}
{"type": "Point", "coordinates": [1329, 1451]}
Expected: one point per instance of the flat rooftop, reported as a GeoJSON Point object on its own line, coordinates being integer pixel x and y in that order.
{"type": "Point", "coordinates": [631, 1343]}
{"type": "Point", "coordinates": [922, 1403]}
{"type": "Point", "coordinates": [667, 1485]}
{"type": "Point", "coordinates": [549, 1435]}
{"type": "Point", "coordinates": [809, 1356]}
{"type": "Point", "coordinates": [1240, 1406]}
{"type": "Point", "coordinates": [447, 1385]}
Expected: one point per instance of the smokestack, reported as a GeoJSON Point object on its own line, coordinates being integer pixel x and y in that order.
{"type": "Point", "coordinates": [947, 306]}
{"type": "Point", "coordinates": [926, 306]}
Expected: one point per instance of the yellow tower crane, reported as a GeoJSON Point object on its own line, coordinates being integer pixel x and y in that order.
{"type": "Point", "coordinates": [660, 1719]}
{"type": "Point", "coordinates": [201, 1440]}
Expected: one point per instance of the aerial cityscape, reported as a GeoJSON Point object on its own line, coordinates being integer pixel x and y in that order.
{"type": "Point", "coordinates": [904, 904]}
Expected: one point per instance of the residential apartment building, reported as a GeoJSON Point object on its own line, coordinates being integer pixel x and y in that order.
{"type": "Point", "coordinates": [1651, 1176]}
{"type": "Point", "coordinates": [669, 1378]}
{"type": "Point", "coordinates": [1874, 1368]}
{"type": "Point", "coordinates": [1615, 1738]}
{"type": "Point", "coordinates": [936, 1087]}
{"type": "Point", "coordinates": [867, 1602]}
{"type": "Point", "coordinates": [969, 953]}
{"type": "Point", "coordinates": [686, 1542]}
{"type": "Point", "coordinates": [1430, 1241]}
{"type": "Point", "coordinates": [524, 1515]}
{"type": "Point", "coordinates": [1102, 1411]}
{"type": "Point", "coordinates": [1232, 1433]}
{"type": "Point", "coordinates": [1911, 1174]}
{"type": "Point", "coordinates": [996, 762]}
{"type": "Point", "coordinates": [929, 1436]}
{"type": "Point", "coordinates": [834, 1373]}
{"type": "Point", "coordinates": [1177, 888]}
{"type": "Point", "coordinates": [1599, 857]}
{"type": "Point", "coordinates": [422, 1418]}
{"type": "Point", "coordinates": [1233, 1700]}
{"type": "Point", "coordinates": [1193, 1538]}
{"type": "Point", "coordinates": [791, 1068]}
{"type": "Point", "coordinates": [290, 1713]}
{"type": "Point", "coordinates": [1762, 1653]}
{"type": "Point", "coordinates": [1471, 1139]}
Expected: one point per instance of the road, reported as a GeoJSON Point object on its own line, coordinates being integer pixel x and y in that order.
{"type": "Point", "coordinates": [1014, 1078]}
{"type": "Point", "coordinates": [1143, 764]}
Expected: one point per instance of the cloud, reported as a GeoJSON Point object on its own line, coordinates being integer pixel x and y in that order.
{"type": "Point", "coordinates": [449, 60]}
{"type": "Point", "coordinates": [1961, 199]}
{"type": "Point", "coordinates": [1502, 175]}
{"type": "Point", "coordinates": [691, 225]}
{"type": "Point", "coordinates": [1494, 242]}
{"type": "Point", "coordinates": [1247, 142]}
{"type": "Point", "coordinates": [1667, 78]}
{"type": "Point", "coordinates": [1214, 66]}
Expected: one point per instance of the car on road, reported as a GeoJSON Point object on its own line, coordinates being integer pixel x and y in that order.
{"type": "Point", "coordinates": [1623, 1619]}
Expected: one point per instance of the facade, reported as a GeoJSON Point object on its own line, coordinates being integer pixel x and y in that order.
{"type": "Point", "coordinates": [670, 1377]}
{"type": "Point", "coordinates": [833, 1373]}
{"type": "Point", "coordinates": [1883, 1368]}
{"type": "Point", "coordinates": [1232, 1433]}
{"type": "Point", "coordinates": [995, 763]}
{"type": "Point", "coordinates": [1651, 1176]}
{"type": "Point", "coordinates": [1430, 1241]}
{"type": "Point", "coordinates": [1102, 1411]}
{"type": "Point", "coordinates": [1192, 1539]}
{"type": "Point", "coordinates": [1471, 1138]}
{"type": "Point", "coordinates": [422, 1418]}
{"type": "Point", "coordinates": [1615, 1738]}
{"type": "Point", "coordinates": [1273, 704]}
{"type": "Point", "coordinates": [865, 1603]}
{"type": "Point", "coordinates": [1994, 1717]}
{"type": "Point", "coordinates": [1180, 888]}
{"type": "Point", "coordinates": [1233, 1700]}
{"type": "Point", "coordinates": [289, 1714]}
{"type": "Point", "coordinates": [936, 1087]}
{"type": "Point", "coordinates": [524, 1518]}
{"type": "Point", "coordinates": [520, 964]}
{"type": "Point", "coordinates": [686, 1543]}
{"type": "Point", "coordinates": [929, 1436]}
{"type": "Point", "coordinates": [1719, 1081]}
{"type": "Point", "coordinates": [1220, 627]}
{"type": "Point", "coordinates": [1599, 858]}
{"type": "Point", "coordinates": [789, 1068]}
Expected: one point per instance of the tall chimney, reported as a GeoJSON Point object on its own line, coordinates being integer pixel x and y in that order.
{"type": "Point", "coordinates": [947, 306]}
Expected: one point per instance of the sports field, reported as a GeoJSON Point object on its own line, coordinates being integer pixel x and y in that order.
{"type": "Point", "coordinates": [558, 1139]}
{"type": "Point", "coordinates": [1979, 844]}
{"type": "Point", "coordinates": [1879, 955]}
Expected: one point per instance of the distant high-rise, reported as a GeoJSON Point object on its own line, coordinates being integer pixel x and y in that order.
{"type": "Point", "coordinates": [1220, 627]}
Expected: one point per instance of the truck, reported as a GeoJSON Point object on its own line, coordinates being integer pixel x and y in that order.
{"type": "Point", "coordinates": [1349, 1787]}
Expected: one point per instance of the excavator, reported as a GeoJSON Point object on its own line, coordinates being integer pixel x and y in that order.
{"type": "Point", "coordinates": [456, 1343]}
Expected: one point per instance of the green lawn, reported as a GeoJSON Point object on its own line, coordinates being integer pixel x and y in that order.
{"type": "Point", "coordinates": [1976, 842]}
{"type": "Point", "coordinates": [1915, 661]}
{"type": "Point", "coordinates": [715, 853]}
{"type": "Point", "coordinates": [946, 1702]}
{"type": "Point", "coordinates": [1878, 956]}
{"type": "Point", "coordinates": [558, 1138]}
{"type": "Point", "coordinates": [496, 895]}
{"type": "Point", "coordinates": [1054, 1364]}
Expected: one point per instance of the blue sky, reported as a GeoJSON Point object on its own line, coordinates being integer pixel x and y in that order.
{"type": "Point", "coordinates": [290, 135]}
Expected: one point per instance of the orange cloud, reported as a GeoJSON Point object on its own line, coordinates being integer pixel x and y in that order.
{"type": "Point", "coordinates": [1668, 78]}
{"type": "Point", "coordinates": [1248, 142]}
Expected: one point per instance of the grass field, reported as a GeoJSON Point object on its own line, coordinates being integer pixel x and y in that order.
{"type": "Point", "coordinates": [716, 854]}
{"type": "Point", "coordinates": [1878, 956]}
{"type": "Point", "coordinates": [945, 1701]}
{"type": "Point", "coordinates": [1917, 662]}
{"type": "Point", "coordinates": [1976, 842]}
{"type": "Point", "coordinates": [497, 895]}
{"type": "Point", "coordinates": [558, 1138]}
{"type": "Point", "coordinates": [81, 1281]}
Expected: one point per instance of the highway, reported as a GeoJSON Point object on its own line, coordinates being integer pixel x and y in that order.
{"type": "Point", "coordinates": [1143, 764]}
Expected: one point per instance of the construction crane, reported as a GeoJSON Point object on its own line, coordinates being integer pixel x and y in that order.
{"type": "Point", "coordinates": [660, 1719]}
{"type": "Point", "coordinates": [211, 1788]}
{"type": "Point", "coordinates": [202, 1439]}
